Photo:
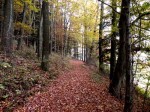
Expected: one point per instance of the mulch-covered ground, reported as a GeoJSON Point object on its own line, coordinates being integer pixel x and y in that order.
{"type": "Point", "coordinates": [74, 91]}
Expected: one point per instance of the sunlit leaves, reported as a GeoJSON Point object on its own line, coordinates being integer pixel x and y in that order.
{"type": "Point", "coordinates": [145, 6]}
{"type": "Point", "coordinates": [25, 27]}
{"type": "Point", "coordinates": [85, 16]}
{"type": "Point", "coordinates": [18, 6]}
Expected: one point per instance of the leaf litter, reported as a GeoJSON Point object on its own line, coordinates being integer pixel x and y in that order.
{"type": "Point", "coordinates": [74, 91]}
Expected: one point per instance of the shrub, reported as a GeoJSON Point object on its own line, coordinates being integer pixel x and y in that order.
{"type": "Point", "coordinates": [27, 53]}
{"type": "Point", "coordinates": [58, 63]}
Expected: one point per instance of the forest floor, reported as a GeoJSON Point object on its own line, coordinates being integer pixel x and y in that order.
{"type": "Point", "coordinates": [74, 91]}
{"type": "Point", "coordinates": [77, 87]}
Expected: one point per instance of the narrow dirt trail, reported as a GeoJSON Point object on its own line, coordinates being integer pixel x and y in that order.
{"type": "Point", "coordinates": [73, 91]}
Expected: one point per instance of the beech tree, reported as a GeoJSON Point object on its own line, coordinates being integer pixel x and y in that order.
{"type": "Point", "coordinates": [124, 32]}
{"type": "Point", "coordinates": [78, 28]}
{"type": "Point", "coordinates": [1, 17]}
{"type": "Point", "coordinates": [113, 39]}
{"type": "Point", "coordinates": [46, 32]}
{"type": "Point", "coordinates": [101, 36]}
{"type": "Point", "coordinates": [124, 59]}
{"type": "Point", "coordinates": [40, 31]}
{"type": "Point", "coordinates": [7, 34]}
{"type": "Point", "coordinates": [21, 31]}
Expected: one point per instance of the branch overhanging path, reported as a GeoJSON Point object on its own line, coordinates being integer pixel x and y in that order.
{"type": "Point", "coordinates": [73, 91]}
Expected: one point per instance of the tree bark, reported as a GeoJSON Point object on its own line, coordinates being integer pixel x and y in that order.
{"type": "Point", "coordinates": [52, 38]}
{"type": "Point", "coordinates": [101, 37]}
{"type": "Point", "coordinates": [40, 33]}
{"type": "Point", "coordinates": [7, 36]}
{"type": "Point", "coordinates": [1, 17]}
{"type": "Point", "coordinates": [129, 77]}
{"type": "Point", "coordinates": [46, 32]}
{"type": "Point", "coordinates": [20, 40]}
{"type": "Point", "coordinates": [120, 69]}
{"type": "Point", "coordinates": [113, 40]}
{"type": "Point", "coordinates": [82, 49]}
{"type": "Point", "coordinates": [65, 36]}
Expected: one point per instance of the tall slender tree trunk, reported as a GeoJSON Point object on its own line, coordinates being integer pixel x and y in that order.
{"type": "Point", "coordinates": [65, 40]}
{"type": "Point", "coordinates": [82, 50]}
{"type": "Point", "coordinates": [40, 32]}
{"type": "Point", "coordinates": [1, 19]}
{"type": "Point", "coordinates": [69, 46]}
{"type": "Point", "coordinates": [125, 13]}
{"type": "Point", "coordinates": [76, 46]}
{"type": "Point", "coordinates": [20, 40]}
{"type": "Point", "coordinates": [65, 34]}
{"type": "Point", "coordinates": [124, 59]}
{"type": "Point", "coordinates": [113, 40]}
{"type": "Point", "coordinates": [85, 42]}
{"type": "Point", "coordinates": [101, 37]}
{"type": "Point", "coordinates": [120, 68]}
{"type": "Point", "coordinates": [85, 52]}
{"type": "Point", "coordinates": [90, 52]}
{"type": "Point", "coordinates": [7, 36]}
{"type": "Point", "coordinates": [52, 29]}
{"type": "Point", "coordinates": [46, 32]}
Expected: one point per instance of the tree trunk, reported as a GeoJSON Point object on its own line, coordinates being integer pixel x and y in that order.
{"type": "Point", "coordinates": [1, 19]}
{"type": "Point", "coordinates": [52, 38]}
{"type": "Point", "coordinates": [125, 13]}
{"type": "Point", "coordinates": [65, 35]}
{"type": "Point", "coordinates": [46, 32]}
{"type": "Point", "coordinates": [52, 29]}
{"type": "Point", "coordinates": [55, 41]}
{"type": "Point", "coordinates": [69, 46]}
{"type": "Point", "coordinates": [90, 52]}
{"type": "Point", "coordinates": [101, 37]}
{"type": "Point", "coordinates": [40, 32]}
{"type": "Point", "coordinates": [76, 47]}
{"type": "Point", "coordinates": [84, 53]}
{"type": "Point", "coordinates": [7, 36]}
{"type": "Point", "coordinates": [85, 42]}
{"type": "Point", "coordinates": [20, 40]}
{"type": "Point", "coordinates": [113, 40]}
{"type": "Point", "coordinates": [120, 69]}
{"type": "Point", "coordinates": [82, 49]}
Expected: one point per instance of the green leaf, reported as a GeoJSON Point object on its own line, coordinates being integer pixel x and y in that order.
{"type": "Point", "coordinates": [18, 92]}
{"type": "Point", "coordinates": [5, 96]}
{"type": "Point", "coordinates": [5, 65]}
{"type": "Point", "coordinates": [2, 86]}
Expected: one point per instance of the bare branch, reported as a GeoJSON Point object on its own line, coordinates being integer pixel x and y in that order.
{"type": "Point", "coordinates": [109, 6]}
{"type": "Point", "coordinates": [141, 27]}
{"type": "Point", "coordinates": [140, 16]}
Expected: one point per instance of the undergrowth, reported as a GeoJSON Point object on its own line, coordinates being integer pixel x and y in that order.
{"type": "Point", "coordinates": [21, 76]}
{"type": "Point", "coordinates": [58, 63]}
{"type": "Point", "coordinates": [96, 77]}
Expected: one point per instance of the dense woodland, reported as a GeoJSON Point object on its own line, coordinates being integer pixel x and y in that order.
{"type": "Point", "coordinates": [38, 38]}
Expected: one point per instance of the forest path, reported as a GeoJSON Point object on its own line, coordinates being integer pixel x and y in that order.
{"type": "Point", "coordinates": [73, 91]}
